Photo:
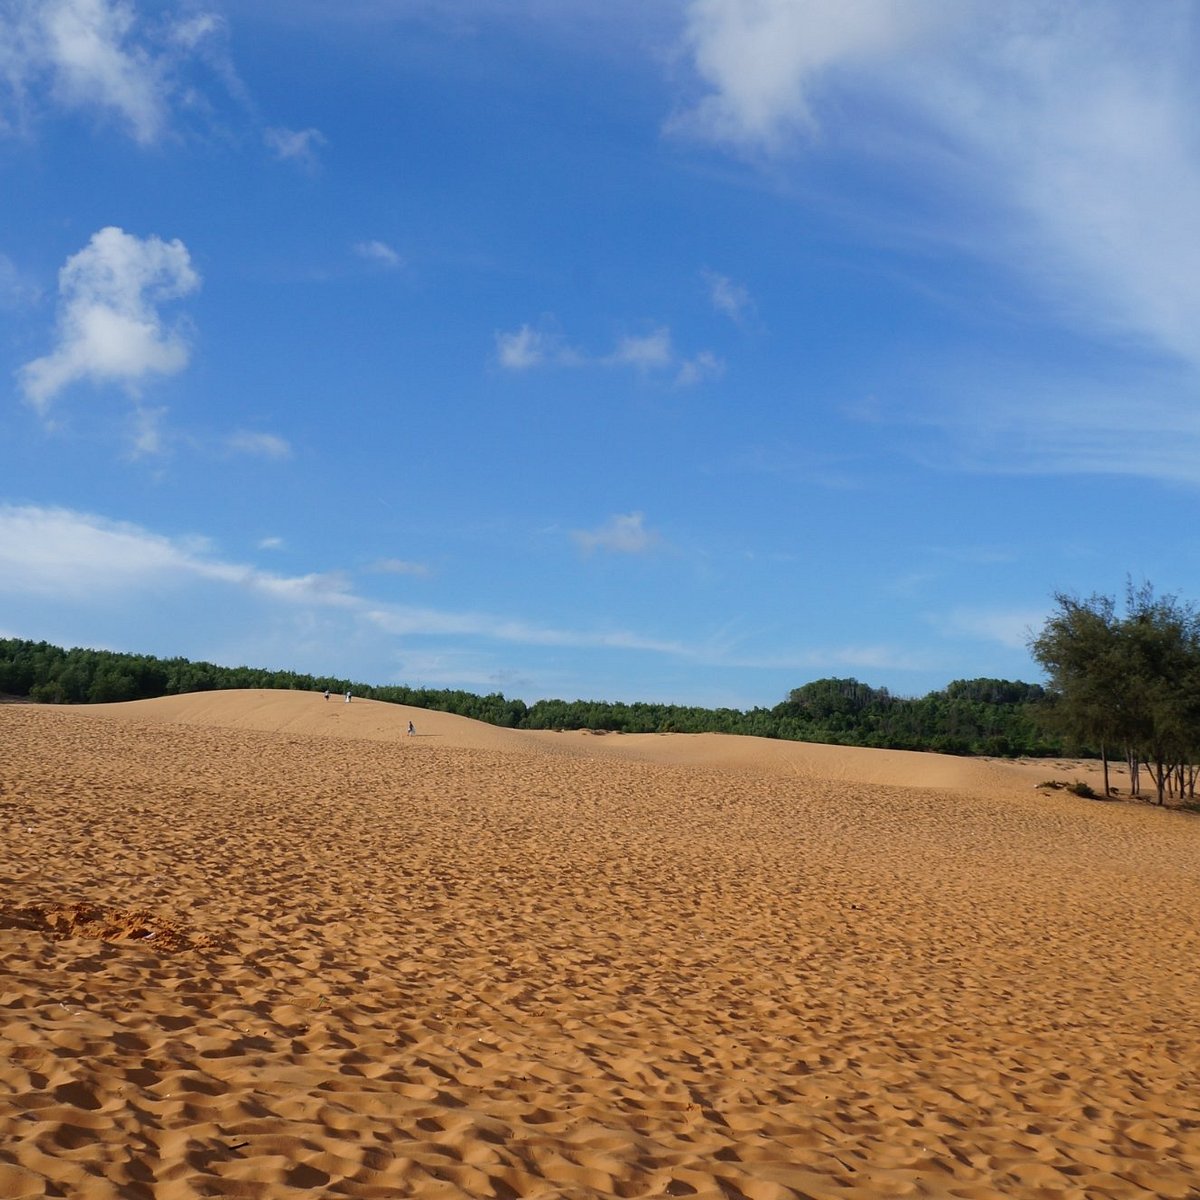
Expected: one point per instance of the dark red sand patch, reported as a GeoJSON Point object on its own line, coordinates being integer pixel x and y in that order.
{"type": "Point", "coordinates": [103, 923]}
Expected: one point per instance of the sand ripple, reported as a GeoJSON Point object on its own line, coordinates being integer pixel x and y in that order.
{"type": "Point", "coordinates": [441, 967]}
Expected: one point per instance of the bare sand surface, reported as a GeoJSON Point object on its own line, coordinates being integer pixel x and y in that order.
{"type": "Point", "coordinates": [263, 945]}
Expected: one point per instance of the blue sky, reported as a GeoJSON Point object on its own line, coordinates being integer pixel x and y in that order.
{"type": "Point", "coordinates": [678, 352]}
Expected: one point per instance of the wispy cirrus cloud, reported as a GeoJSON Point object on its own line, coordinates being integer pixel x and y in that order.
{"type": "Point", "coordinates": [74, 558]}
{"type": "Point", "coordinates": [406, 620]}
{"type": "Point", "coordinates": [111, 326]}
{"type": "Point", "coordinates": [1063, 137]}
{"type": "Point", "coordinates": [299, 146]}
{"type": "Point", "coordinates": [59, 553]}
{"type": "Point", "coordinates": [15, 290]}
{"type": "Point", "coordinates": [258, 445]}
{"type": "Point", "coordinates": [379, 253]}
{"type": "Point", "coordinates": [71, 567]}
{"type": "Point", "coordinates": [400, 566]}
{"type": "Point", "coordinates": [728, 298]}
{"type": "Point", "coordinates": [697, 369]}
{"type": "Point", "coordinates": [1010, 627]}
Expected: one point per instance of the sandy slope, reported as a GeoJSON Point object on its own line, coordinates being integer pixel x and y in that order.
{"type": "Point", "coordinates": [258, 945]}
{"type": "Point", "coordinates": [301, 713]}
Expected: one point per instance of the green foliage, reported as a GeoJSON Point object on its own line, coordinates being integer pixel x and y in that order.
{"type": "Point", "coordinates": [982, 716]}
{"type": "Point", "coordinates": [1130, 680]}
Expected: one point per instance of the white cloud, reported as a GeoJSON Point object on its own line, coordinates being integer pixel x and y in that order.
{"type": "Point", "coordinates": [832, 658]}
{"type": "Point", "coordinates": [868, 657]}
{"type": "Point", "coordinates": [621, 534]}
{"type": "Point", "coordinates": [57, 553]}
{"type": "Point", "coordinates": [270, 543]}
{"type": "Point", "coordinates": [90, 49]}
{"type": "Point", "coordinates": [259, 445]}
{"type": "Point", "coordinates": [198, 30]}
{"type": "Point", "coordinates": [527, 347]}
{"type": "Point", "coordinates": [106, 58]}
{"type": "Point", "coordinates": [72, 568]}
{"type": "Point", "coordinates": [148, 438]}
{"type": "Point", "coordinates": [379, 252]}
{"type": "Point", "coordinates": [1068, 130]}
{"type": "Point", "coordinates": [295, 145]}
{"type": "Point", "coordinates": [109, 325]}
{"type": "Point", "coordinates": [97, 55]}
{"type": "Point", "coordinates": [15, 290]}
{"type": "Point", "coordinates": [761, 60]}
{"type": "Point", "coordinates": [646, 352]}
{"type": "Point", "coordinates": [705, 365]}
{"type": "Point", "coordinates": [731, 299]}
{"type": "Point", "coordinates": [1008, 627]}
{"type": "Point", "coordinates": [447, 667]}
{"type": "Point", "coordinates": [1020, 420]}
{"type": "Point", "coordinates": [524, 348]}
{"type": "Point", "coordinates": [66, 557]}
{"type": "Point", "coordinates": [423, 622]}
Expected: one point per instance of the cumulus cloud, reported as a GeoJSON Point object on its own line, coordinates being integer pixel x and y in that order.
{"type": "Point", "coordinates": [523, 348]}
{"type": "Point", "coordinates": [621, 534]}
{"type": "Point", "coordinates": [259, 445]}
{"type": "Point", "coordinates": [380, 253]}
{"type": "Point", "coordinates": [110, 327]}
{"type": "Point", "coordinates": [295, 145]}
{"type": "Point", "coordinates": [528, 347]}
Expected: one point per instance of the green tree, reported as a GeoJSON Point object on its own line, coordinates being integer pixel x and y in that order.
{"type": "Point", "coordinates": [1161, 642]}
{"type": "Point", "coordinates": [1081, 649]}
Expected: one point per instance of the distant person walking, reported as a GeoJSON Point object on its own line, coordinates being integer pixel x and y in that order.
{"type": "Point", "coordinates": [411, 729]}
{"type": "Point", "coordinates": [347, 695]}
{"type": "Point", "coordinates": [326, 695]}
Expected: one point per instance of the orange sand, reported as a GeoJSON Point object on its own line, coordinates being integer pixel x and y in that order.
{"type": "Point", "coordinates": [259, 945]}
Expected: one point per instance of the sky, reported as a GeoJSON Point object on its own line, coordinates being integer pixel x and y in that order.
{"type": "Point", "coordinates": [682, 352]}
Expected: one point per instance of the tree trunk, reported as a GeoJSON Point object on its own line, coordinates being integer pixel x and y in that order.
{"type": "Point", "coordinates": [1135, 781]}
{"type": "Point", "coordinates": [1159, 772]}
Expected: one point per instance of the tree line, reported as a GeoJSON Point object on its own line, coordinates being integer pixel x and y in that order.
{"type": "Point", "coordinates": [976, 716]}
{"type": "Point", "coordinates": [1126, 682]}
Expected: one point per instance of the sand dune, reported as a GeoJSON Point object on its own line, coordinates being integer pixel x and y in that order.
{"type": "Point", "coordinates": [260, 945]}
{"type": "Point", "coordinates": [307, 713]}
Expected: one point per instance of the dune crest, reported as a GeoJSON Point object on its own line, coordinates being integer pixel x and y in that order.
{"type": "Point", "coordinates": [308, 713]}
